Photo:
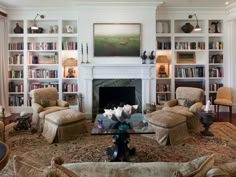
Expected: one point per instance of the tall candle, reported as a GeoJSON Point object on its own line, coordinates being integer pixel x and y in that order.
{"type": "Point", "coordinates": [82, 49]}
{"type": "Point", "coordinates": [87, 48]}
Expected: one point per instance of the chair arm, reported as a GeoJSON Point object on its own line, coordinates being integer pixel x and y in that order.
{"type": "Point", "coordinates": [196, 107]}
{"type": "Point", "coordinates": [171, 103]}
{"type": "Point", "coordinates": [62, 103]}
{"type": "Point", "coordinates": [37, 107]}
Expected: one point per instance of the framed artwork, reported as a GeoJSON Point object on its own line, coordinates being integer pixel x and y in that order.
{"type": "Point", "coordinates": [117, 39]}
{"type": "Point", "coordinates": [186, 57]}
{"type": "Point", "coordinates": [70, 72]}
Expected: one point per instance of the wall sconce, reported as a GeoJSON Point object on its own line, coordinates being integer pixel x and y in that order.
{"type": "Point", "coordinates": [164, 61]}
{"type": "Point", "coordinates": [35, 27]}
{"type": "Point", "coordinates": [197, 27]}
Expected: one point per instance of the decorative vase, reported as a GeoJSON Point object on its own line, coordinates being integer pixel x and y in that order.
{"type": "Point", "coordinates": [187, 28]}
{"type": "Point", "coordinates": [18, 29]}
{"type": "Point", "coordinates": [159, 27]}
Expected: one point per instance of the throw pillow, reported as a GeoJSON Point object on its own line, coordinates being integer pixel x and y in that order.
{"type": "Point", "coordinates": [45, 103]}
{"type": "Point", "coordinates": [197, 167]}
{"type": "Point", "coordinates": [188, 103]}
{"type": "Point", "coordinates": [28, 167]}
{"type": "Point", "coordinates": [217, 172]}
{"type": "Point", "coordinates": [181, 101]}
{"type": "Point", "coordinates": [60, 171]}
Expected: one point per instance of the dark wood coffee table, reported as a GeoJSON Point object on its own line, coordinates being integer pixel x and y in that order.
{"type": "Point", "coordinates": [120, 131]}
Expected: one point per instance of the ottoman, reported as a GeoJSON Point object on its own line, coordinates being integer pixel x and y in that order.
{"type": "Point", "coordinates": [64, 125]}
{"type": "Point", "coordinates": [170, 128]}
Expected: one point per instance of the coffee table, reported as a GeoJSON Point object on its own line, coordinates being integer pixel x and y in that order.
{"type": "Point", "coordinates": [137, 124]}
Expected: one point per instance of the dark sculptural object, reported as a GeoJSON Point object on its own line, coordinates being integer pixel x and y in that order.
{"type": "Point", "coordinates": [187, 28]}
{"type": "Point", "coordinates": [151, 57]}
{"type": "Point", "coordinates": [144, 57]}
{"type": "Point", "coordinates": [18, 29]}
{"type": "Point", "coordinates": [216, 26]}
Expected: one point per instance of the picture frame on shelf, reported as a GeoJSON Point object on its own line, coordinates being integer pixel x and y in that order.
{"type": "Point", "coordinates": [117, 39]}
{"type": "Point", "coordinates": [186, 57]}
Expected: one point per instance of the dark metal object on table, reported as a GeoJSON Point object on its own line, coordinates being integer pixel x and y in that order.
{"type": "Point", "coordinates": [121, 132]}
{"type": "Point", "coordinates": [23, 123]}
{"type": "Point", "coordinates": [206, 118]}
{"type": "Point", "coordinates": [4, 155]}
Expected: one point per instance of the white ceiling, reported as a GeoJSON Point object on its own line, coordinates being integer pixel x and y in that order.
{"type": "Point", "coordinates": [73, 3]}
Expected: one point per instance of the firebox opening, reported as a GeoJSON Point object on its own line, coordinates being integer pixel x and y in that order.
{"type": "Point", "coordinates": [110, 97]}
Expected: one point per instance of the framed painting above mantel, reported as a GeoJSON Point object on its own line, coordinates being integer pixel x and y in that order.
{"type": "Point", "coordinates": [117, 39]}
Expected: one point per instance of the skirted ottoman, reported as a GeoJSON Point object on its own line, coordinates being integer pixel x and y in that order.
{"type": "Point", "coordinates": [170, 128]}
{"type": "Point", "coordinates": [64, 125]}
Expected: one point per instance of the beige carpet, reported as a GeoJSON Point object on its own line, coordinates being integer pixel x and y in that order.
{"type": "Point", "coordinates": [92, 148]}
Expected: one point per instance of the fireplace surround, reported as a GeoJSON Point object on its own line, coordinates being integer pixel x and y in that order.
{"type": "Point", "coordinates": [93, 76]}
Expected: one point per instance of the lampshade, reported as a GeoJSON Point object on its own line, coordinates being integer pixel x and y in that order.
{"type": "Point", "coordinates": [162, 59]}
{"type": "Point", "coordinates": [70, 62]}
{"type": "Point", "coordinates": [197, 27]}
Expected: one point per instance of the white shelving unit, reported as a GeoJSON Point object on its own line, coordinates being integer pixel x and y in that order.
{"type": "Point", "coordinates": [36, 60]}
{"type": "Point", "coordinates": [202, 62]}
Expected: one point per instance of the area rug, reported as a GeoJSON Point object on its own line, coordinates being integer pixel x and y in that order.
{"type": "Point", "coordinates": [92, 148]}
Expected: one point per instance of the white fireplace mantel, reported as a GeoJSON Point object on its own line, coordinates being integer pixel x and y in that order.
{"type": "Point", "coordinates": [88, 72]}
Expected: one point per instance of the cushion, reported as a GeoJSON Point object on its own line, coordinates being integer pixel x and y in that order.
{"type": "Point", "coordinates": [181, 101]}
{"type": "Point", "coordinates": [188, 103]}
{"type": "Point", "coordinates": [25, 167]}
{"type": "Point", "coordinates": [60, 171]}
{"type": "Point", "coordinates": [217, 172]}
{"type": "Point", "coordinates": [45, 103]}
{"type": "Point", "coordinates": [197, 167]}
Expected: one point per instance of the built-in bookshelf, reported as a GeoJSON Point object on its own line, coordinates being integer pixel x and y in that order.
{"type": "Point", "coordinates": [196, 58]}
{"type": "Point", "coordinates": [37, 59]}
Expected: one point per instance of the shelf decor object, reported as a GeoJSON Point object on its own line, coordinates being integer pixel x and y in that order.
{"type": "Point", "coordinates": [18, 29]}
{"type": "Point", "coordinates": [164, 62]}
{"type": "Point", "coordinates": [197, 27]}
{"type": "Point", "coordinates": [70, 65]}
{"type": "Point", "coordinates": [186, 57]}
{"type": "Point", "coordinates": [187, 28]}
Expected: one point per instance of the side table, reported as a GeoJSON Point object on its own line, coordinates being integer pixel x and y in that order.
{"type": "Point", "coordinates": [4, 154]}
{"type": "Point", "coordinates": [206, 118]}
{"type": "Point", "coordinates": [23, 123]}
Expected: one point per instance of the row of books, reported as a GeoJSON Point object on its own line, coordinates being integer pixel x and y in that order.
{"type": "Point", "coordinates": [216, 72]}
{"type": "Point", "coordinates": [35, 85]}
{"type": "Point", "coordinates": [69, 45]}
{"type": "Point", "coordinates": [42, 46]}
{"type": "Point", "coordinates": [163, 45]}
{"type": "Point", "coordinates": [218, 58]}
{"type": "Point", "coordinates": [189, 45]}
{"type": "Point", "coordinates": [70, 87]}
{"type": "Point", "coordinates": [42, 73]}
{"type": "Point", "coordinates": [16, 100]}
{"type": "Point", "coordinates": [16, 59]}
{"type": "Point", "coordinates": [43, 58]}
{"type": "Point", "coordinates": [16, 46]}
{"type": "Point", "coordinates": [216, 45]}
{"type": "Point", "coordinates": [13, 87]}
{"type": "Point", "coordinates": [215, 86]}
{"type": "Point", "coordinates": [189, 72]}
{"type": "Point", "coordinates": [15, 74]}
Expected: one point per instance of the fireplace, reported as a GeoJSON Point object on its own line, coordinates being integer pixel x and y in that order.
{"type": "Point", "coordinates": [110, 93]}
{"type": "Point", "coordinates": [110, 97]}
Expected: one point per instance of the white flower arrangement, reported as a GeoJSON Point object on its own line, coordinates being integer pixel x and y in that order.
{"type": "Point", "coordinates": [120, 113]}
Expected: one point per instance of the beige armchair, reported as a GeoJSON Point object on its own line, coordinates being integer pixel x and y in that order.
{"type": "Point", "coordinates": [187, 103]}
{"type": "Point", "coordinates": [45, 101]}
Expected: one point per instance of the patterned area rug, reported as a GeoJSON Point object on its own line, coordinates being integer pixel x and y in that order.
{"type": "Point", "coordinates": [92, 148]}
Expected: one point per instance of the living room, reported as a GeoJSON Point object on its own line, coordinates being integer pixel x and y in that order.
{"type": "Point", "coordinates": [79, 71]}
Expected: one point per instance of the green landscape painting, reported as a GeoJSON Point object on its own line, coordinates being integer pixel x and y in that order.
{"type": "Point", "coordinates": [117, 40]}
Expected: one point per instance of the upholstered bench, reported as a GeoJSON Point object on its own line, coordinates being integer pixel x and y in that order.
{"type": "Point", "coordinates": [170, 127]}
{"type": "Point", "coordinates": [64, 125]}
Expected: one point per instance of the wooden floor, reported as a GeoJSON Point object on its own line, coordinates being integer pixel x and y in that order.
{"type": "Point", "coordinates": [224, 117]}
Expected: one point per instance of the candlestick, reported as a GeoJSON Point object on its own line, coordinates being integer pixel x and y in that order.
{"type": "Point", "coordinates": [82, 53]}
{"type": "Point", "coordinates": [87, 52]}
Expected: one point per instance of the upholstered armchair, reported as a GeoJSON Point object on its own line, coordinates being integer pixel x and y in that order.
{"type": "Point", "coordinates": [187, 103]}
{"type": "Point", "coordinates": [45, 101]}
